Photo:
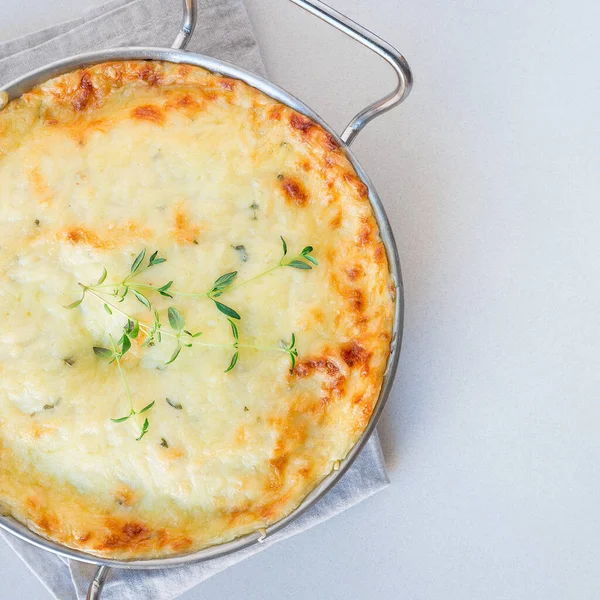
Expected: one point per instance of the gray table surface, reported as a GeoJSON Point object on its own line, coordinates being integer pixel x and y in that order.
{"type": "Point", "coordinates": [491, 176]}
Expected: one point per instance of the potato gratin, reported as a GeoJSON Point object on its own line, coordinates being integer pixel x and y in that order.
{"type": "Point", "coordinates": [196, 309]}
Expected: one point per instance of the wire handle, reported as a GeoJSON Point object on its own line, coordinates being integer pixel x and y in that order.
{"type": "Point", "coordinates": [188, 24]}
{"type": "Point", "coordinates": [377, 45]}
{"type": "Point", "coordinates": [350, 28]}
{"type": "Point", "coordinates": [97, 584]}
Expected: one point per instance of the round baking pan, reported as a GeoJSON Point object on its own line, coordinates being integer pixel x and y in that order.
{"type": "Point", "coordinates": [176, 54]}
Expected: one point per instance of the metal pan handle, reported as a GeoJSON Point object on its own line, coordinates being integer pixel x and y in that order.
{"type": "Point", "coordinates": [351, 29]}
{"type": "Point", "coordinates": [377, 45]}
{"type": "Point", "coordinates": [188, 24]}
{"type": "Point", "coordinates": [97, 584]}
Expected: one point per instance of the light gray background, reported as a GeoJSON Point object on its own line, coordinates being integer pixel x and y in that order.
{"type": "Point", "coordinates": [491, 176]}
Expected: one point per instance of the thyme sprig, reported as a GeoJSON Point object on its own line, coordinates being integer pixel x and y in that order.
{"type": "Point", "coordinates": [292, 352]}
{"type": "Point", "coordinates": [304, 261]}
{"type": "Point", "coordinates": [177, 323]}
{"type": "Point", "coordinates": [155, 332]}
{"type": "Point", "coordinates": [121, 289]}
{"type": "Point", "coordinates": [221, 285]}
{"type": "Point", "coordinates": [115, 354]}
{"type": "Point", "coordinates": [184, 338]}
{"type": "Point", "coordinates": [236, 343]}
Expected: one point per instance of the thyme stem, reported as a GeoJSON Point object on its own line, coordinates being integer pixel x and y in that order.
{"type": "Point", "coordinates": [146, 328]}
{"type": "Point", "coordinates": [118, 361]}
{"type": "Point", "coordinates": [239, 285]}
{"type": "Point", "coordinates": [193, 295]}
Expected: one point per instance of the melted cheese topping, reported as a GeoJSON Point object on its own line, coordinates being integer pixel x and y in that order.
{"type": "Point", "coordinates": [96, 165]}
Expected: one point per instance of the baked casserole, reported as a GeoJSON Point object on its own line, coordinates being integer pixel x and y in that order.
{"type": "Point", "coordinates": [196, 309]}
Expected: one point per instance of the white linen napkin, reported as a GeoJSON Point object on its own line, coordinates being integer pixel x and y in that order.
{"type": "Point", "coordinates": [223, 31]}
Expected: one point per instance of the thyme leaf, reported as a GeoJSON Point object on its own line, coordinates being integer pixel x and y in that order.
{"type": "Point", "coordinates": [233, 362]}
{"type": "Point", "coordinates": [103, 353]}
{"type": "Point", "coordinates": [75, 304]}
{"type": "Point", "coordinates": [103, 276]}
{"type": "Point", "coordinates": [227, 310]}
{"type": "Point", "coordinates": [234, 330]}
{"type": "Point", "coordinates": [292, 352]}
{"type": "Point", "coordinates": [125, 344]}
{"type": "Point", "coordinates": [298, 264]}
{"type": "Point", "coordinates": [137, 262]}
{"type": "Point", "coordinates": [163, 289]}
{"type": "Point", "coordinates": [133, 328]}
{"type": "Point", "coordinates": [144, 430]}
{"type": "Point", "coordinates": [175, 319]}
{"type": "Point", "coordinates": [142, 299]}
{"type": "Point", "coordinates": [146, 407]}
{"type": "Point", "coordinates": [121, 419]}
{"type": "Point", "coordinates": [174, 355]}
{"type": "Point", "coordinates": [222, 283]}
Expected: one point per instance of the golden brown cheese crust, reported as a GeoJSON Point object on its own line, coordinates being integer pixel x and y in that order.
{"type": "Point", "coordinates": [331, 393]}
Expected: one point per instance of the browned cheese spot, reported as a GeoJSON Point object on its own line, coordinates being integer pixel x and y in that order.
{"type": "Point", "coordinates": [354, 355]}
{"type": "Point", "coordinates": [365, 232]}
{"type": "Point", "coordinates": [300, 122]}
{"type": "Point", "coordinates": [304, 472]}
{"type": "Point", "coordinates": [236, 513]}
{"type": "Point", "coordinates": [294, 191]}
{"type": "Point", "coordinates": [148, 112]}
{"type": "Point", "coordinates": [124, 536]}
{"type": "Point", "coordinates": [333, 380]}
{"type": "Point", "coordinates": [330, 143]}
{"type": "Point", "coordinates": [186, 100]}
{"type": "Point", "coordinates": [317, 315]}
{"type": "Point", "coordinates": [116, 71]}
{"type": "Point", "coordinates": [364, 416]}
{"type": "Point", "coordinates": [150, 76]}
{"type": "Point", "coordinates": [336, 222]}
{"type": "Point", "coordinates": [275, 112]}
{"type": "Point", "coordinates": [134, 530]}
{"type": "Point", "coordinates": [354, 272]}
{"type": "Point", "coordinates": [360, 188]}
{"type": "Point", "coordinates": [85, 92]}
{"type": "Point", "coordinates": [124, 496]}
{"type": "Point", "coordinates": [114, 236]}
{"type": "Point", "coordinates": [379, 253]}
{"type": "Point", "coordinates": [79, 235]}
{"type": "Point", "coordinates": [278, 466]}
{"type": "Point", "coordinates": [47, 523]}
{"type": "Point", "coordinates": [271, 510]}
{"type": "Point", "coordinates": [183, 71]}
{"type": "Point", "coordinates": [227, 84]}
{"type": "Point", "coordinates": [357, 300]}
{"type": "Point", "coordinates": [40, 186]}
{"type": "Point", "coordinates": [181, 543]}
{"type": "Point", "coordinates": [184, 230]}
